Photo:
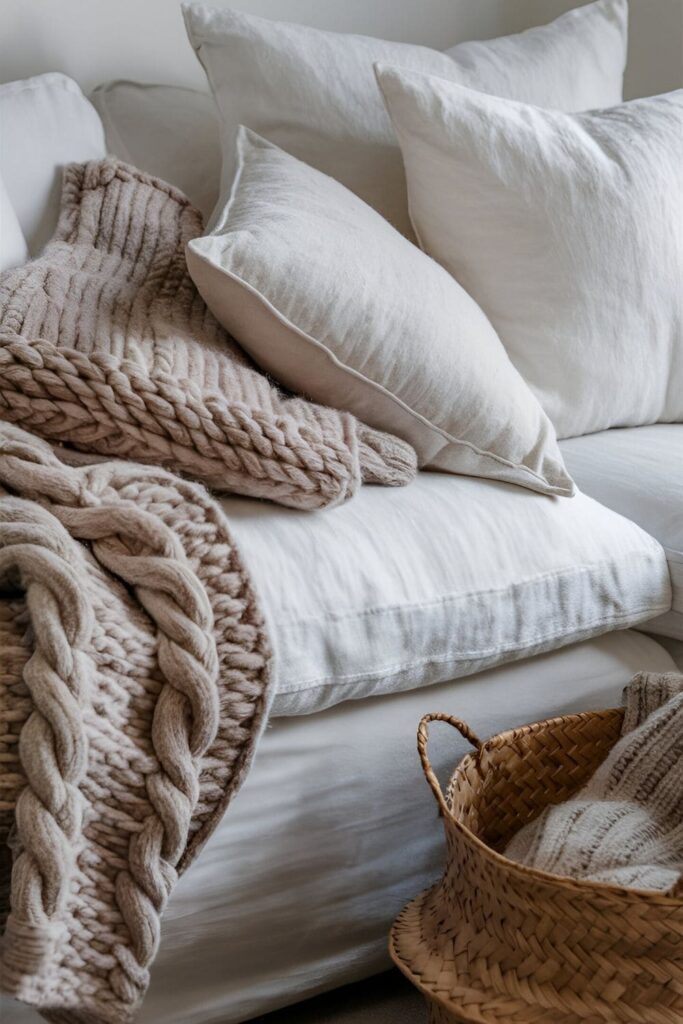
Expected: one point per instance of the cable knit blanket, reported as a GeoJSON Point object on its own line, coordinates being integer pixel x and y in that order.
{"type": "Point", "coordinates": [626, 826]}
{"type": "Point", "coordinates": [135, 670]}
{"type": "Point", "coordinates": [105, 344]}
{"type": "Point", "coordinates": [134, 680]}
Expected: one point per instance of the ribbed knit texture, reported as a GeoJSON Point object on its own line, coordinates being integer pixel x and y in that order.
{"type": "Point", "coordinates": [626, 826]}
{"type": "Point", "coordinates": [135, 677]}
{"type": "Point", "coordinates": [106, 345]}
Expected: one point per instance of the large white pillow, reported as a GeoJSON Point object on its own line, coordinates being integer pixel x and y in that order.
{"type": "Point", "coordinates": [313, 93]}
{"type": "Point", "coordinates": [46, 122]}
{"type": "Point", "coordinates": [13, 249]}
{"type": "Point", "coordinates": [167, 131]}
{"type": "Point", "coordinates": [568, 231]}
{"type": "Point", "coordinates": [339, 306]}
{"type": "Point", "coordinates": [400, 589]}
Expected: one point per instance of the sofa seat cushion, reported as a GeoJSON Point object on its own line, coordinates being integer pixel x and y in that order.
{"type": "Point", "coordinates": [450, 575]}
{"type": "Point", "coordinates": [638, 472]}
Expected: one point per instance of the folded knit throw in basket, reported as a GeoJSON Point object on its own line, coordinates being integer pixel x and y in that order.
{"type": "Point", "coordinates": [105, 344]}
{"type": "Point", "coordinates": [134, 680]}
{"type": "Point", "coordinates": [626, 826]}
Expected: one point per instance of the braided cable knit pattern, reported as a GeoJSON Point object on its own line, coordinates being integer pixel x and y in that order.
{"type": "Point", "coordinates": [105, 344]}
{"type": "Point", "coordinates": [15, 707]}
{"type": "Point", "coordinates": [15, 704]}
{"type": "Point", "coordinates": [160, 729]}
{"type": "Point", "coordinates": [38, 556]}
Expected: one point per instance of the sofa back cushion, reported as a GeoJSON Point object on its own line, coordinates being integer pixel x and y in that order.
{"type": "Point", "coordinates": [47, 123]}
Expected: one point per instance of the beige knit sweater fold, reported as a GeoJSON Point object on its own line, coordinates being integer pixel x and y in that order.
{"type": "Point", "coordinates": [625, 827]}
{"type": "Point", "coordinates": [134, 680]}
{"type": "Point", "coordinates": [106, 345]}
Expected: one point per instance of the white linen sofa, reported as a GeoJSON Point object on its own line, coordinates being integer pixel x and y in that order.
{"type": "Point", "coordinates": [453, 594]}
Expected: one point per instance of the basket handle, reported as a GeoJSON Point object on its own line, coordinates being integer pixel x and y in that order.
{"type": "Point", "coordinates": [422, 740]}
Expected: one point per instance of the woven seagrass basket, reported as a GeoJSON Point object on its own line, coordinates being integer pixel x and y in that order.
{"type": "Point", "coordinates": [497, 943]}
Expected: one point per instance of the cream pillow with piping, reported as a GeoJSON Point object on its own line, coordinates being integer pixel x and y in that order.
{"type": "Point", "coordinates": [337, 305]}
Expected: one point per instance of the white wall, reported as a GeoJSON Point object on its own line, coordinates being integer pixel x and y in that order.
{"type": "Point", "coordinates": [145, 39]}
{"type": "Point", "coordinates": [94, 40]}
{"type": "Point", "coordinates": [656, 41]}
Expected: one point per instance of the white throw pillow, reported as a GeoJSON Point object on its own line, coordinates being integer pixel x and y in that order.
{"type": "Point", "coordinates": [46, 122]}
{"type": "Point", "coordinates": [13, 250]}
{"type": "Point", "coordinates": [313, 93]}
{"type": "Point", "coordinates": [166, 131]}
{"type": "Point", "coordinates": [338, 305]}
{"type": "Point", "coordinates": [567, 230]}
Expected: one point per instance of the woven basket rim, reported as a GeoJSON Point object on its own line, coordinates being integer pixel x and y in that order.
{"type": "Point", "coordinates": [582, 886]}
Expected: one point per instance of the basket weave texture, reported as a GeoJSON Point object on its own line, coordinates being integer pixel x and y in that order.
{"type": "Point", "coordinates": [495, 942]}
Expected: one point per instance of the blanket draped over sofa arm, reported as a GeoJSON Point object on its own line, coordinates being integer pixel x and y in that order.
{"type": "Point", "coordinates": [136, 682]}
{"type": "Point", "coordinates": [105, 344]}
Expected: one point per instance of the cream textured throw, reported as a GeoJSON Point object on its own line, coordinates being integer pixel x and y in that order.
{"type": "Point", "coordinates": [134, 680]}
{"type": "Point", "coordinates": [626, 826]}
{"type": "Point", "coordinates": [105, 344]}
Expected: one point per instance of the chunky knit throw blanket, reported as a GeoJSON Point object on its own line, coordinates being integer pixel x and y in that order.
{"type": "Point", "coordinates": [626, 826]}
{"type": "Point", "coordinates": [134, 679]}
{"type": "Point", "coordinates": [105, 344]}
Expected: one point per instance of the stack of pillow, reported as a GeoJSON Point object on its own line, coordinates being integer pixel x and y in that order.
{"type": "Point", "coordinates": [545, 295]}
{"type": "Point", "coordinates": [443, 244]}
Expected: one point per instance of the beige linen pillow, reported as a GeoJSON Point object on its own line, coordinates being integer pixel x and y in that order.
{"type": "Point", "coordinates": [336, 304]}
{"type": "Point", "coordinates": [314, 94]}
{"type": "Point", "coordinates": [567, 229]}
